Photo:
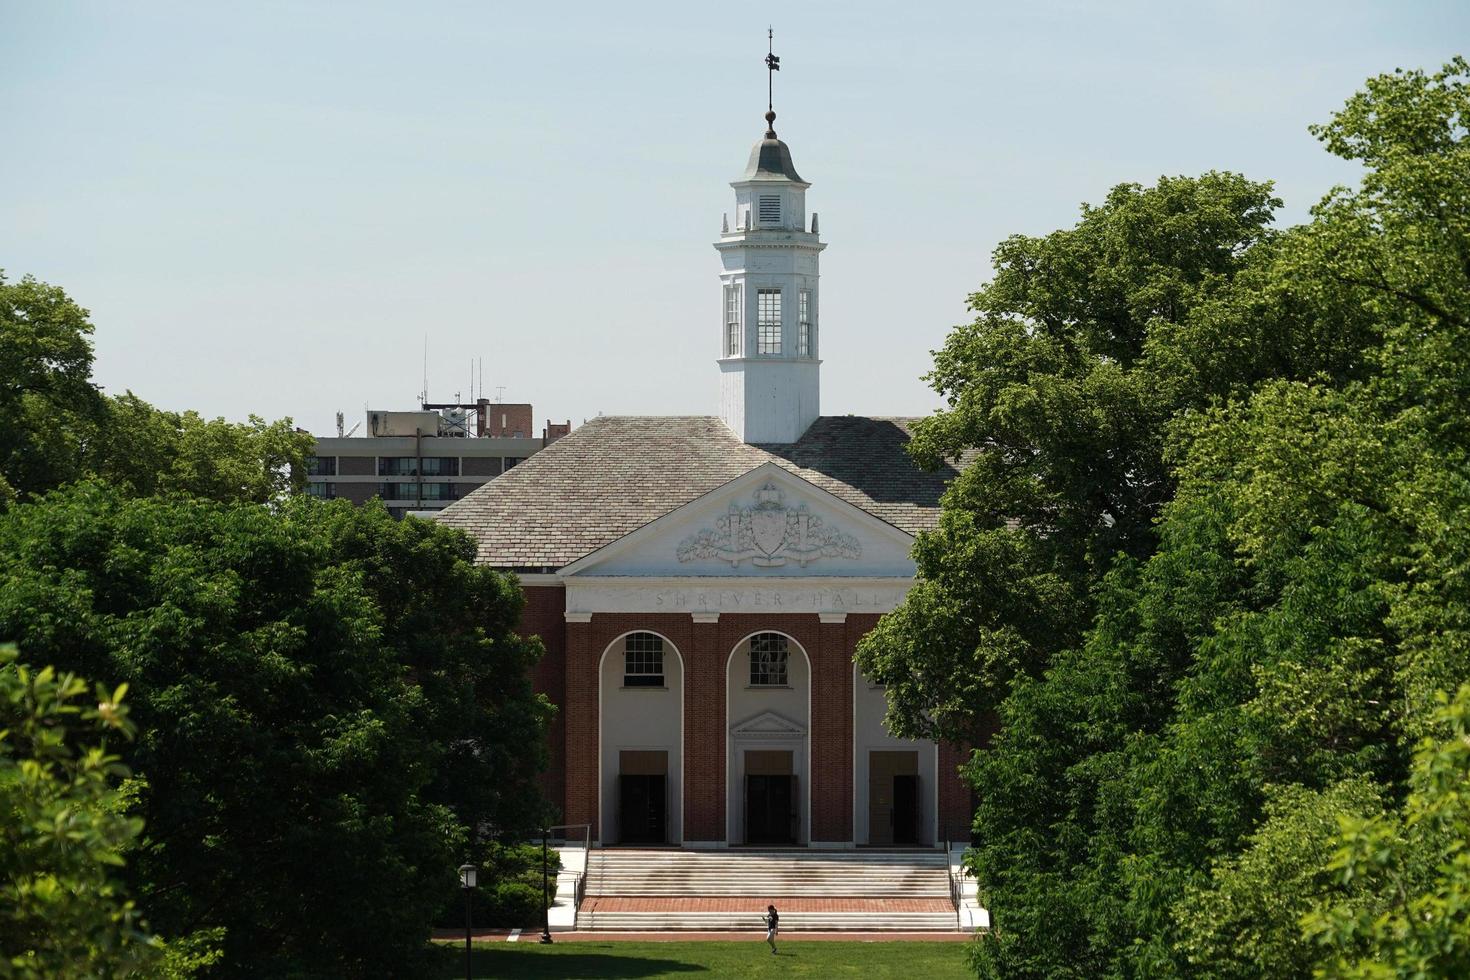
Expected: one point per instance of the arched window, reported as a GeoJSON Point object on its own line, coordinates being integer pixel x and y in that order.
{"type": "Point", "coordinates": [768, 653]}
{"type": "Point", "coordinates": [643, 660]}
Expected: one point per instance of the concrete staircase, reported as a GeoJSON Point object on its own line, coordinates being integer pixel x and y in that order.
{"type": "Point", "coordinates": [666, 889]}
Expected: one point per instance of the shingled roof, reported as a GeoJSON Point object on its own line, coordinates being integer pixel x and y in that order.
{"type": "Point", "coordinates": [615, 474]}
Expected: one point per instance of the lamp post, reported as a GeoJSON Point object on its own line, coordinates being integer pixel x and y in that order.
{"type": "Point", "coordinates": [545, 900]}
{"type": "Point", "coordinates": [467, 884]}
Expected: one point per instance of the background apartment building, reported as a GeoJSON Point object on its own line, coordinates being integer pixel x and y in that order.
{"type": "Point", "coordinates": [424, 460]}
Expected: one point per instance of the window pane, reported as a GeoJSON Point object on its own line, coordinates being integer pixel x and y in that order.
{"type": "Point", "coordinates": [732, 320]}
{"type": "Point", "coordinates": [768, 321]}
{"type": "Point", "coordinates": [804, 324]}
{"type": "Point", "coordinates": [410, 466]}
{"type": "Point", "coordinates": [768, 656]}
{"type": "Point", "coordinates": [643, 660]}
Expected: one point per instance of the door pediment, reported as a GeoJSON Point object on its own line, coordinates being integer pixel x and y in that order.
{"type": "Point", "coordinates": [768, 724]}
{"type": "Point", "coordinates": [767, 523]}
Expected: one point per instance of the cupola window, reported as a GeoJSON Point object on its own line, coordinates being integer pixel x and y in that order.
{"type": "Point", "coordinates": [732, 321]}
{"type": "Point", "coordinates": [643, 660]}
{"type": "Point", "coordinates": [770, 209]}
{"type": "Point", "coordinates": [768, 656]}
{"type": "Point", "coordinates": [768, 321]}
{"type": "Point", "coordinates": [804, 339]}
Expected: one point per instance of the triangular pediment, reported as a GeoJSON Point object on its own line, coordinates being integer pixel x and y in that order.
{"type": "Point", "coordinates": [769, 724]}
{"type": "Point", "coordinates": [766, 523]}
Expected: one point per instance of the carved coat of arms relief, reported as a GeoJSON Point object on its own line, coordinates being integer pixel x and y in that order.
{"type": "Point", "coordinates": [769, 533]}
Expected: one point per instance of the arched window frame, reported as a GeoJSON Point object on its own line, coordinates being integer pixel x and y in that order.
{"type": "Point", "coordinates": [643, 660]}
{"type": "Point", "coordinates": [770, 656]}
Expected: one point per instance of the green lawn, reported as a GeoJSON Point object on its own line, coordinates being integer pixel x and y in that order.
{"type": "Point", "coordinates": [748, 958]}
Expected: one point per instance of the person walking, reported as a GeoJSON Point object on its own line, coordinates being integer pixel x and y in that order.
{"type": "Point", "coordinates": [773, 924]}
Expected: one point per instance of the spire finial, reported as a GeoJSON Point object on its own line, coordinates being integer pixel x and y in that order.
{"type": "Point", "coordinates": [773, 65]}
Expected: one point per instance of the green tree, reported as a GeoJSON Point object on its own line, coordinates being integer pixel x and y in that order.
{"type": "Point", "coordinates": [64, 830]}
{"type": "Point", "coordinates": [151, 451]}
{"type": "Point", "coordinates": [48, 403]}
{"type": "Point", "coordinates": [56, 426]}
{"type": "Point", "coordinates": [328, 702]}
{"type": "Point", "coordinates": [1086, 343]}
{"type": "Point", "coordinates": [1162, 799]}
{"type": "Point", "coordinates": [1403, 909]}
{"type": "Point", "coordinates": [1246, 922]}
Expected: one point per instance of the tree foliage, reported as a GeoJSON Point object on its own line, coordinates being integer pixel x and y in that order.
{"type": "Point", "coordinates": [47, 399]}
{"type": "Point", "coordinates": [330, 703]}
{"type": "Point", "coordinates": [1086, 343]}
{"type": "Point", "coordinates": [151, 451]}
{"type": "Point", "coordinates": [56, 426]}
{"type": "Point", "coordinates": [1403, 905]}
{"type": "Point", "coordinates": [64, 829]}
{"type": "Point", "coordinates": [1208, 571]}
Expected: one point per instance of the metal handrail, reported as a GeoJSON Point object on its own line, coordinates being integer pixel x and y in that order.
{"type": "Point", "coordinates": [956, 888]}
{"type": "Point", "coordinates": [579, 890]}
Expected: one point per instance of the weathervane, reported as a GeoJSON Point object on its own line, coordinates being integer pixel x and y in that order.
{"type": "Point", "coordinates": [773, 64]}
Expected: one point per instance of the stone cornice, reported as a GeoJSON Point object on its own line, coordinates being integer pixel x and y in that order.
{"type": "Point", "coordinates": [706, 595]}
{"type": "Point", "coordinates": [747, 243]}
{"type": "Point", "coordinates": [538, 578]}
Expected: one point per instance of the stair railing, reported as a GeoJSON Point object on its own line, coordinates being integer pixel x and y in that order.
{"type": "Point", "coordinates": [956, 886]}
{"type": "Point", "coordinates": [579, 889]}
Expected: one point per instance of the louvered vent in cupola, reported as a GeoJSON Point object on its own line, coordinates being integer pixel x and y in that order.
{"type": "Point", "coordinates": [770, 209]}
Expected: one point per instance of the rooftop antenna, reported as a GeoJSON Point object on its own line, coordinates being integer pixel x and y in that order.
{"type": "Point", "coordinates": [424, 394]}
{"type": "Point", "coordinates": [499, 394]}
{"type": "Point", "coordinates": [773, 65]}
{"type": "Point", "coordinates": [340, 425]}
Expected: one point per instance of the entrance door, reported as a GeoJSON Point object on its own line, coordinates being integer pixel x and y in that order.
{"type": "Point", "coordinates": [643, 797]}
{"type": "Point", "coordinates": [770, 808]}
{"type": "Point", "coordinates": [770, 798]}
{"type": "Point", "coordinates": [906, 809]}
{"type": "Point", "coordinates": [642, 809]}
{"type": "Point", "coordinates": [892, 817]}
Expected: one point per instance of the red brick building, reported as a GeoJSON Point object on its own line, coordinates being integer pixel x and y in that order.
{"type": "Point", "coordinates": [701, 584]}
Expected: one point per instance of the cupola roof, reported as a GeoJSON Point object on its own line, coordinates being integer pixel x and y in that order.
{"type": "Point", "coordinates": [770, 158]}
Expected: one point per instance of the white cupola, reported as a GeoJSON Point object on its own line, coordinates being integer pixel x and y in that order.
{"type": "Point", "coordinates": [769, 368]}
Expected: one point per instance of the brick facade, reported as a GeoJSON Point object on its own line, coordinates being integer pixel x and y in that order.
{"type": "Point", "coordinates": [504, 420]}
{"type": "Point", "coordinates": [543, 617]}
{"type": "Point", "coordinates": [568, 674]}
{"type": "Point", "coordinates": [831, 730]}
{"type": "Point", "coordinates": [580, 788]}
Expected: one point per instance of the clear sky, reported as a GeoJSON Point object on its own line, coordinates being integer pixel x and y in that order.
{"type": "Point", "coordinates": [267, 206]}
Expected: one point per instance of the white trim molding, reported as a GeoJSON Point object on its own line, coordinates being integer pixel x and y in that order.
{"type": "Point", "coordinates": [536, 578]}
{"type": "Point", "coordinates": [703, 595]}
{"type": "Point", "coordinates": [766, 728]}
{"type": "Point", "coordinates": [607, 808]}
